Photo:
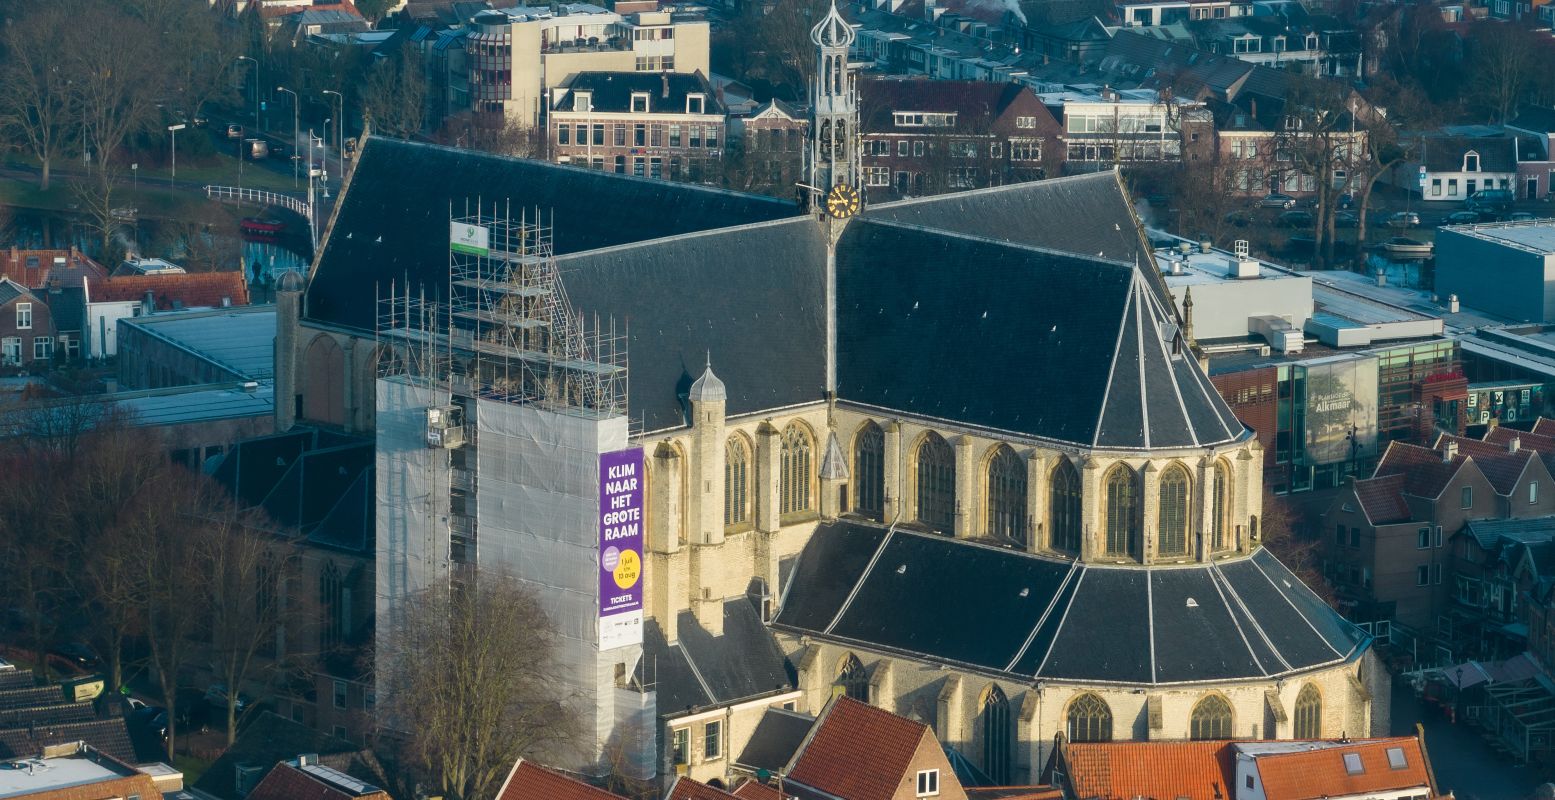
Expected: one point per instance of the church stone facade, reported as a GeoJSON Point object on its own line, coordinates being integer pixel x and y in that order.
{"type": "Point", "coordinates": [952, 456]}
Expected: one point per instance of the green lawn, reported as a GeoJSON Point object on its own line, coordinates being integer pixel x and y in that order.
{"type": "Point", "coordinates": [191, 767]}
{"type": "Point", "coordinates": [152, 201]}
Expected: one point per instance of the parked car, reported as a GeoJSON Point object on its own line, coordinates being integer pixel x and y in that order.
{"type": "Point", "coordinates": [1491, 200]}
{"type": "Point", "coordinates": [280, 151]}
{"type": "Point", "coordinates": [1297, 219]}
{"type": "Point", "coordinates": [77, 654]}
{"type": "Point", "coordinates": [254, 149]}
{"type": "Point", "coordinates": [1347, 219]}
{"type": "Point", "coordinates": [234, 131]}
{"type": "Point", "coordinates": [200, 120]}
{"type": "Point", "coordinates": [1520, 216]}
{"type": "Point", "coordinates": [1403, 219]}
{"type": "Point", "coordinates": [1240, 219]}
{"type": "Point", "coordinates": [1277, 200]}
{"type": "Point", "coordinates": [1463, 218]}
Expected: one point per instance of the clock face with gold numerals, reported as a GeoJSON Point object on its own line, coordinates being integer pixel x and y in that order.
{"type": "Point", "coordinates": [842, 201]}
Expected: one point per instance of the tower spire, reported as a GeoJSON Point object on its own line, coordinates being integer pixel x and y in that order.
{"type": "Point", "coordinates": [834, 133]}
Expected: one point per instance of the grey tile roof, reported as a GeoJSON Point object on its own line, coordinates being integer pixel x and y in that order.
{"type": "Point", "coordinates": [999, 611]}
{"type": "Point", "coordinates": [700, 670]}
{"type": "Point", "coordinates": [775, 741]}
{"type": "Point", "coordinates": [1445, 153]}
{"type": "Point", "coordinates": [1493, 533]}
{"type": "Point", "coordinates": [1054, 276]}
{"type": "Point", "coordinates": [667, 91]}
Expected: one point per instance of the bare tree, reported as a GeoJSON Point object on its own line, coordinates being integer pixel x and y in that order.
{"type": "Point", "coordinates": [1320, 139]}
{"type": "Point", "coordinates": [1299, 552]}
{"type": "Point", "coordinates": [35, 105]}
{"type": "Point", "coordinates": [118, 72]}
{"type": "Point", "coordinates": [206, 53]}
{"type": "Point", "coordinates": [244, 568]}
{"type": "Point", "coordinates": [172, 538]}
{"type": "Point", "coordinates": [472, 683]}
{"type": "Point", "coordinates": [1505, 63]}
{"type": "Point", "coordinates": [97, 195]}
{"type": "Point", "coordinates": [394, 97]}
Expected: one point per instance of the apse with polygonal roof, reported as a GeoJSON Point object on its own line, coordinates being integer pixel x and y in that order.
{"type": "Point", "coordinates": [952, 456]}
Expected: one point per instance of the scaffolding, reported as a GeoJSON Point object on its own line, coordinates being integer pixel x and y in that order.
{"type": "Point", "coordinates": [496, 400]}
{"type": "Point", "coordinates": [505, 329]}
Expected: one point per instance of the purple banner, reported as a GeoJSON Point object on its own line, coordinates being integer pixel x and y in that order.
{"type": "Point", "coordinates": [621, 522]}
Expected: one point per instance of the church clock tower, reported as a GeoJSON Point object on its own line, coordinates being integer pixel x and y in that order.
{"type": "Point", "coordinates": [834, 133]}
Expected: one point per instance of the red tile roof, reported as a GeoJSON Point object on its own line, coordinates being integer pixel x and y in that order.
{"type": "Point", "coordinates": [1544, 427]}
{"type": "Point", "coordinates": [752, 789]}
{"type": "Point", "coordinates": [1321, 772]}
{"type": "Point", "coordinates": [1425, 473]}
{"type": "Point", "coordinates": [857, 751]}
{"type": "Point", "coordinates": [530, 781]}
{"type": "Point", "coordinates": [192, 290]}
{"type": "Point", "coordinates": [272, 12]}
{"type": "Point", "coordinates": [688, 789]}
{"type": "Point", "coordinates": [1382, 499]}
{"type": "Point", "coordinates": [1015, 793]}
{"type": "Point", "coordinates": [1501, 466]}
{"type": "Point", "coordinates": [287, 782]}
{"type": "Point", "coordinates": [14, 264]}
{"type": "Point", "coordinates": [1126, 770]}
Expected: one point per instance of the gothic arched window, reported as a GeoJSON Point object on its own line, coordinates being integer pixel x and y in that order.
{"type": "Point", "coordinates": [825, 139]}
{"type": "Point", "coordinates": [795, 472]}
{"type": "Point", "coordinates": [1172, 515]}
{"type": "Point", "coordinates": [869, 471]}
{"type": "Point", "coordinates": [1211, 719]}
{"type": "Point", "coordinates": [1089, 719]}
{"type": "Point", "coordinates": [995, 715]}
{"type": "Point", "coordinates": [1064, 514]}
{"type": "Point", "coordinates": [332, 605]}
{"type": "Point", "coordinates": [1221, 507]}
{"type": "Point", "coordinates": [852, 680]}
{"type": "Point", "coordinates": [937, 484]}
{"type": "Point", "coordinates": [1309, 713]}
{"type": "Point", "coordinates": [1122, 512]}
{"type": "Point", "coordinates": [736, 481]}
{"type": "Point", "coordinates": [1007, 495]}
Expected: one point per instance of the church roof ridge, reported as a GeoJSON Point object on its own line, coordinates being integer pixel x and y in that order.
{"type": "Point", "coordinates": [1035, 248]}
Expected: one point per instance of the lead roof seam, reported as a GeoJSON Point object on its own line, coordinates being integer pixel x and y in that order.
{"type": "Point", "coordinates": [1139, 331]}
{"type": "Point", "coordinates": [1202, 379]}
{"type": "Point", "coordinates": [859, 585]}
{"type": "Point", "coordinates": [1061, 622]}
{"type": "Point", "coordinates": [1298, 611]}
{"type": "Point", "coordinates": [1112, 371]}
{"type": "Point", "coordinates": [1252, 619]}
{"type": "Point", "coordinates": [1047, 612]}
{"type": "Point", "coordinates": [1150, 613]}
{"type": "Point", "coordinates": [1214, 580]}
{"type": "Point", "coordinates": [696, 673]}
{"type": "Point", "coordinates": [1176, 387]}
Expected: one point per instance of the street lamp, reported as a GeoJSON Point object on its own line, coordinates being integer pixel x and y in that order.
{"type": "Point", "coordinates": [256, 86]}
{"type": "Point", "coordinates": [340, 129]}
{"type": "Point", "coordinates": [296, 130]}
{"type": "Point", "coordinates": [174, 129]}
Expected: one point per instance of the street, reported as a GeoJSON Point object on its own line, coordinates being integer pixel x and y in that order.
{"type": "Point", "coordinates": [1464, 764]}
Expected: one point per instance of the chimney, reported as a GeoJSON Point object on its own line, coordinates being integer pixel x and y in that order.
{"type": "Point", "coordinates": [1449, 451]}
{"type": "Point", "coordinates": [665, 81]}
{"type": "Point", "coordinates": [1253, 111]}
{"type": "Point", "coordinates": [1514, 444]}
{"type": "Point", "coordinates": [1452, 304]}
{"type": "Point", "coordinates": [149, 303]}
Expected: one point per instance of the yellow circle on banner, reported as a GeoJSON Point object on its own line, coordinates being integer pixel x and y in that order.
{"type": "Point", "coordinates": [628, 569]}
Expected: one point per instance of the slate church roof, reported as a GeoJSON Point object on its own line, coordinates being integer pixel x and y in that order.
{"type": "Point", "coordinates": [1033, 308]}
{"type": "Point", "coordinates": [1039, 618]}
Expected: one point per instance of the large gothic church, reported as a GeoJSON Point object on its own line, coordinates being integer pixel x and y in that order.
{"type": "Point", "coordinates": [952, 456]}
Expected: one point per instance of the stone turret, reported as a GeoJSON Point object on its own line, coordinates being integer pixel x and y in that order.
{"type": "Point", "coordinates": [708, 398]}
{"type": "Point", "coordinates": [288, 315]}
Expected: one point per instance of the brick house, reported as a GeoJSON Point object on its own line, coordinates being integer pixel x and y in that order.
{"type": "Point", "coordinates": [26, 328]}
{"type": "Point", "coordinates": [1386, 536]}
{"type": "Point", "coordinates": [773, 140]}
{"type": "Point", "coordinates": [59, 279]}
{"type": "Point", "coordinates": [631, 123]}
{"type": "Point", "coordinates": [927, 137]}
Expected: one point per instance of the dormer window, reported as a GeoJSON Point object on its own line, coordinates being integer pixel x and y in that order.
{"type": "Point", "coordinates": [696, 104]}
{"type": "Point", "coordinates": [639, 102]}
{"type": "Point", "coordinates": [582, 101]}
{"type": "Point", "coordinates": [1311, 41]}
{"type": "Point", "coordinates": [1471, 162]}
